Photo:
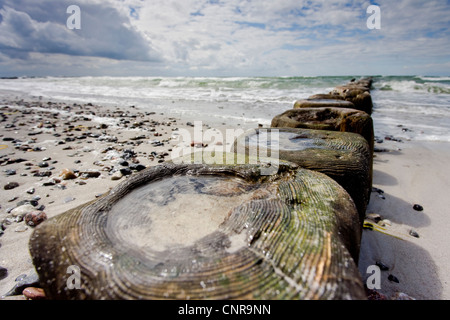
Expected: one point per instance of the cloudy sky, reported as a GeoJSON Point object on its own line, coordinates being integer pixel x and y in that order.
{"type": "Point", "coordinates": [224, 38]}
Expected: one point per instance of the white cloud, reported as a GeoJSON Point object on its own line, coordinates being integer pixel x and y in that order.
{"type": "Point", "coordinates": [237, 37]}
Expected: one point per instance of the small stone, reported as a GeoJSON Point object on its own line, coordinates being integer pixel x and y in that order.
{"type": "Point", "coordinates": [393, 278]}
{"type": "Point", "coordinates": [10, 172]}
{"type": "Point", "coordinates": [67, 174]}
{"type": "Point", "coordinates": [384, 222]}
{"type": "Point", "coordinates": [137, 167]}
{"type": "Point", "coordinates": [382, 266]}
{"type": "Point", "coordinates": [11, 185]}
{"type": "Point", "coordinates": [35, 218]}
{"type": "Point", "coordinates": [418, 207]}
{"type": "Point", "coordinates": [42, 174]}
{"type": "Point", "coordinates": [413, 233]}
{"type": "Point", "coordinates": [3, 273]}
{"type": "Point", "coordinates": [34, 293]}
{"type": "Point", "coordinates": [90, 174]}
{"type": "Point", "coordinates": [43, 164]}
{"type": "Point", "coordinates": [125, 171]}
{"type": "Point", "coordinates": [19, 212]}
{"type": "Point", "coordinates": [31, 191]}
{"type": "Point", "coordinates": [117, 176]}
{"type": "Point", "coordinates": [124, 163]}
{"type": "Point", "coordinates": [68, 199]}
{"type": "Point", "coordinates": [377, 190]}
{"type": "Point", "coordinates": [21, 229]}
{"type": "Point", "coordinates": [373, 216]}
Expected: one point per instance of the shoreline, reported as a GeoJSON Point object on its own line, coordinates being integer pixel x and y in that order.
{"type": "Point", "coordinates": [420, 264]}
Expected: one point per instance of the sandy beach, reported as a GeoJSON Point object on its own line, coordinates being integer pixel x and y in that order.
{"type": "Point", "coordinates": [410, 173]}
{"type": "Point", "coordinates": [89, 149]}
{"type": "Point", "coordinates": [63, 155]}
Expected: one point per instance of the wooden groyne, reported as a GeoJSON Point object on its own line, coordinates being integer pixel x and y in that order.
{"type": "Point", "coordinates": [294, 234]}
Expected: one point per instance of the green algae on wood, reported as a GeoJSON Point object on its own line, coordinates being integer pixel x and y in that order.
{"type": "Point", "coordinates": [334, 119]}
{"type": "Point", "coordinates": [343, 156]}
{"type": "Point", "coordinates": [289, 239]}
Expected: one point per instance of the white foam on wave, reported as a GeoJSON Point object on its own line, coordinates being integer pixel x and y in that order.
{"type": "Point", "coordinates": [428, 78]}
{"type": "Point", "coordinates": [418, 102]}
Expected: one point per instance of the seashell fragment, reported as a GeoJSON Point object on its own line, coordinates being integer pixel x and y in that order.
{"type": "Point", "coordinates": [286, 236]}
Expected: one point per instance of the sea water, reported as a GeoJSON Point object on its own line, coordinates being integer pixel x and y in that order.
{"type": "Point", "coordinates": [406, 107]}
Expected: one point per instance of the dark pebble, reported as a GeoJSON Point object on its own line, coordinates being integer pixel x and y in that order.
{"type": "Point", "coordinates": [413, 233]}
{"type": "Point", "coordinates": [10, 185]}
{"type": "Point", "coordinates": [10, 172]}
{"type": "Point", "coordinates": [137, 167]}
{"type": "Point", "coordinates": [377, 190]}
{"type": "Point", "coordinates": [3, 273]}
{"type": "Point", "coordinates": [90, 174]}
{"type": "Point", "coordinates": [42, 174]}
{"type": "Point", "coordinates": [382, 266]}
{"type": "Point", "coordinates": [126, 171]}
{"type": "Point", "coordinates": [124, 163]}
{"type": "Point", "coordinates": [393, 278]}
{"type": "Point", "coordinates": [418, 207]}
{"type": "Point", "coordinates": [128, 154]}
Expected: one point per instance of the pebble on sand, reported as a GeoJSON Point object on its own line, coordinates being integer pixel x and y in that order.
{"type": "Point", "coordinates": [35, 218]}
{"type": "Point", "coordinates": [34, 293]}
{"type": "Point", "coordinates": [11, 185]}
{"type": "Point", "coordinates": [393, 278]}
{"type": "Point", "coordinates": [67, 174]}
